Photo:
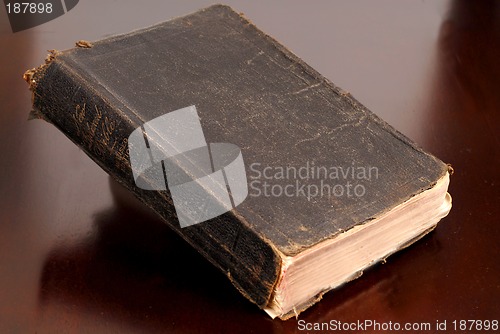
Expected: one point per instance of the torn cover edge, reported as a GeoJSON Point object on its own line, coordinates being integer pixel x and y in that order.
{"type": "Point", "coordinates": [32, 77]}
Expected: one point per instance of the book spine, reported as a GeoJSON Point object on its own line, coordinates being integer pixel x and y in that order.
{"type": "Point", "coordinates": [100, 126]}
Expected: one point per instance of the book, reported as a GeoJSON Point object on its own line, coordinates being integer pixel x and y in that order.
{"type": "Point", "coordinates": [281, 179]}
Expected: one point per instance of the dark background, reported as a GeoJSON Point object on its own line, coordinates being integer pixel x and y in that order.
{"type": "Point", "coordinates": [78, 255]}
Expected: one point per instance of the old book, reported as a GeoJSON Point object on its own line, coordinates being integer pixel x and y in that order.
{"type": "Point", "coordinates": [304, 187]}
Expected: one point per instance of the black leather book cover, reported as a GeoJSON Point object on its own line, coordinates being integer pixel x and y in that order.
{"type": "Point", "coordinates": [316, 161]}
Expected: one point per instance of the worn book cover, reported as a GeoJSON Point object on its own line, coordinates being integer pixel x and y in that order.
{"type": "Point", "coordinates": [252, 156]}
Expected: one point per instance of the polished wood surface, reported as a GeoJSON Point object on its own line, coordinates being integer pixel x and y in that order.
{"type": "Point", "coordinates": [79, 255]}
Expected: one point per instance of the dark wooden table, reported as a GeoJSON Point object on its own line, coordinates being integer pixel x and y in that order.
{"type": "Point", "coordinates": [77, 255]}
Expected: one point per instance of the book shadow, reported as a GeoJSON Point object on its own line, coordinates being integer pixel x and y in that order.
{"type": "Point", "coordinates": [134, 269]}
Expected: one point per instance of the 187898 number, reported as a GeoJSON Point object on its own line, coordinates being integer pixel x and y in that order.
{"type": "Point", "coordinates": [29, 7]}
